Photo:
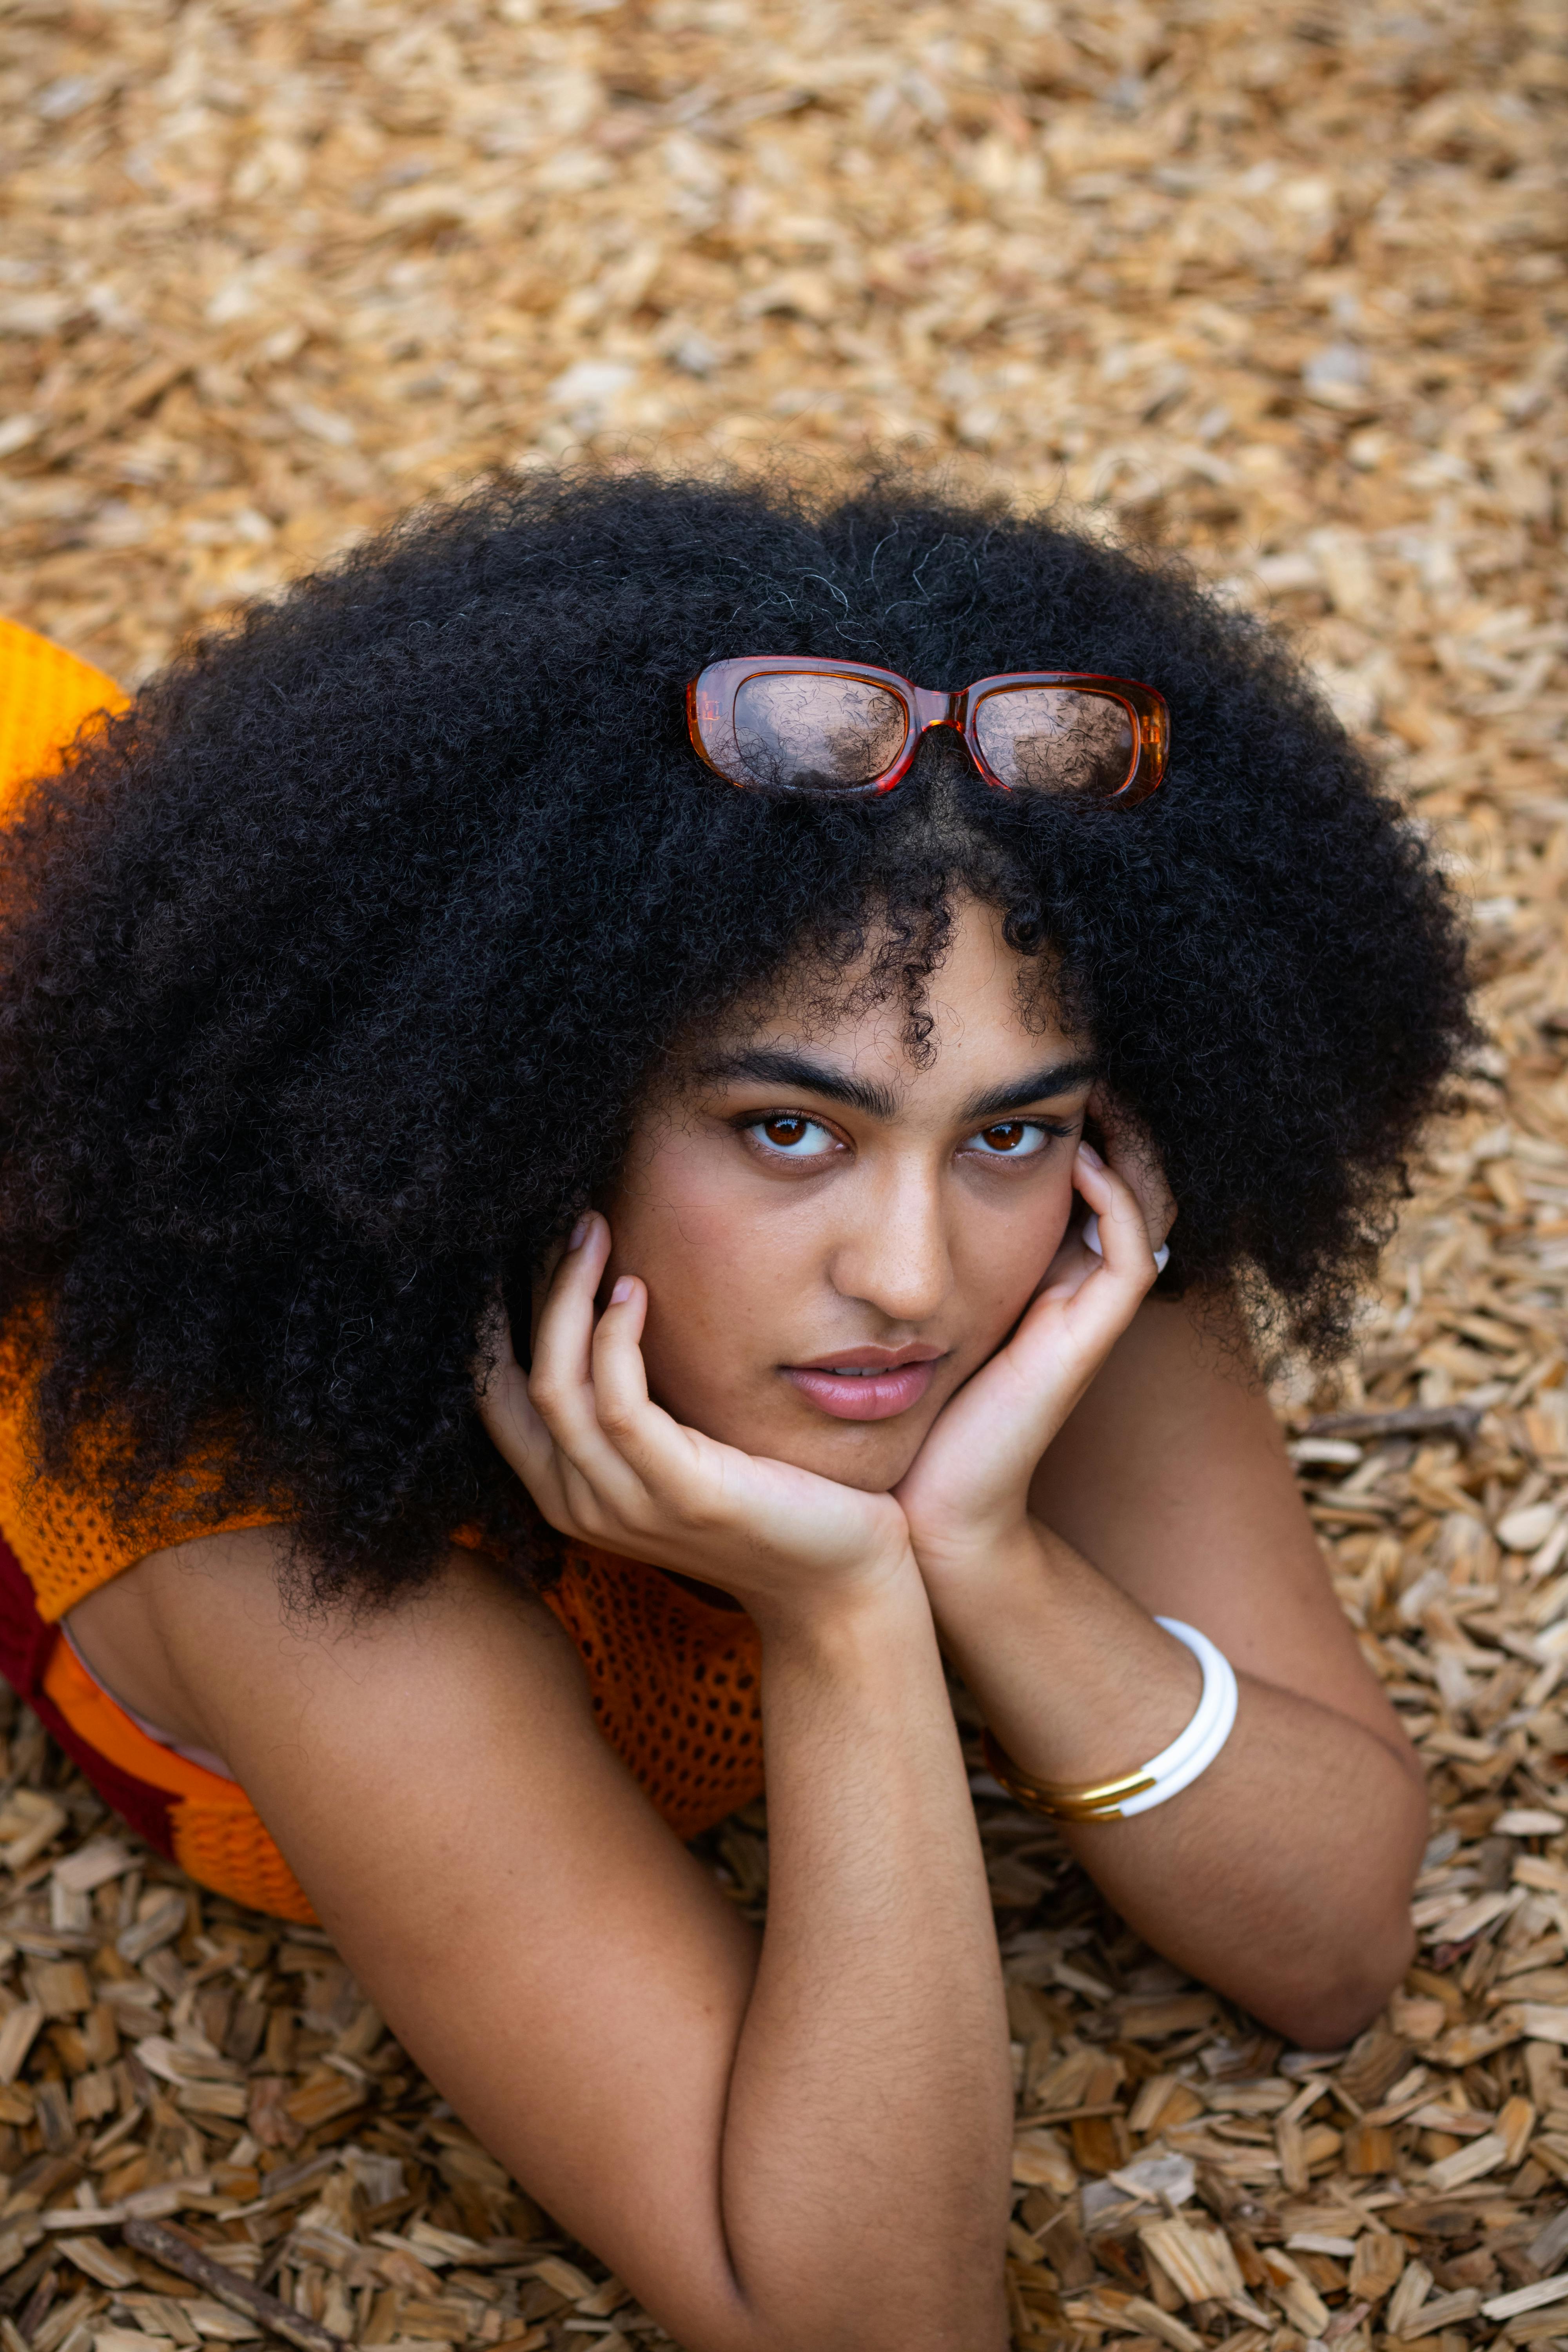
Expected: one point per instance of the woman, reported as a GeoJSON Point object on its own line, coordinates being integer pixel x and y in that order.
{"type": "Point", "coordinates": [421, 968]}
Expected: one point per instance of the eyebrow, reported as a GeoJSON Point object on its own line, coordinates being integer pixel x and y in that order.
{"type": "Point", "coordinates": [770, 1068]}
{"type": "Point", "coordinates": [1039, 1086]}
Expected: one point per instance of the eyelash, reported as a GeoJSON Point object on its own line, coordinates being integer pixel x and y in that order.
{"type": "Point", "coordinates": [752, 1127]}
{"type": "Point", "coordinates": [1046, 1127]}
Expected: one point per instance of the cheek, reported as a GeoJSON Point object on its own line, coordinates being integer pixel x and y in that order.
{"type": "Point", "coordinates": [720, 1271]}
{"type": "Point", "coordinates": [1004, 1247]}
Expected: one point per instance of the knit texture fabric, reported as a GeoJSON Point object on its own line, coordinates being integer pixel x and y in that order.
{"type": "Point", "coordinates": [675, 1685]}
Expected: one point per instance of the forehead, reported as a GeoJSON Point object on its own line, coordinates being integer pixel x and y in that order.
{"type": "Point", "coordinates": [982, 1015]}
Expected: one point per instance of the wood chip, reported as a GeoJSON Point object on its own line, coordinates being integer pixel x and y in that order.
{"type": "Point", "coordinates": [1443, 2311]}
{"type": "Point", "coordinates": [1376, 2265]}
{"type": "Point", "coordinates": [1199, 2263]}
{"type": "Point", "coordinates": [1483, 2156]}
{"type": "Point", "coordinates": [92, 1865]}
{"type": "Point", "coordinates": [1527, 2298]}
{"type": "Point", "coordinates": [1139, 2313]}
{"type": "Point", "coordinates": [16, 2033]}
{"type": "Point", "coordinates": [96, 2260]}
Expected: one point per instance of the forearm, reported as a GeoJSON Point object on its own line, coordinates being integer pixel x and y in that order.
{"type": "Point", "coordinates": [1281, 1875]}
{"type": "Point", "coordinates": [865, 2162]}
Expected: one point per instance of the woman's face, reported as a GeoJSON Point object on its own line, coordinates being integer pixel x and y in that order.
{"type": "Point", "coordinates": [833, 1238]}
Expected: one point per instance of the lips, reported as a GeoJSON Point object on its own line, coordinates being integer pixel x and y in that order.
{"type": "Point", "coordinates": [867, 1383]}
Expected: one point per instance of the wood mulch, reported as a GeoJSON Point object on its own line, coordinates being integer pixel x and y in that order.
{"type": "Point", "coordinates": [1280, 285]}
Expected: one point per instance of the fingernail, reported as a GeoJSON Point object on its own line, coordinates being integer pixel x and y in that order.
{"type": "Point", "coordinates": [1087, 1151]}
{"type": "Point", "coordinates": [578, 1233]}
{"type": "Point", "coordinates": [622, 1291]}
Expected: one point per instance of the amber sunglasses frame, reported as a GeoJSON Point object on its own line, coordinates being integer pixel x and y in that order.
{"type": "Point", "coordinates": [710, 719]}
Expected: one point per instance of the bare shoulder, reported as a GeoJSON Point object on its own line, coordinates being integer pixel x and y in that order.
{"type": "Point", "coordinates": [1172, 1478]}
{"type": "Point", "coordinates": [196, 1634]}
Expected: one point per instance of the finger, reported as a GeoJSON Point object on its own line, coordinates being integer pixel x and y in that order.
{"type": "Point", "coordinates": [620, 1376]}
{"type": "Point", "coordinates": [653, 1444]}
{"type": "Point", "coordinates": [501, 1389]}
{"type": "Point", "coordinates": [600, 1489]}
{"type": "Point", "coordinates": [545, 1280]}
{"type": "Point", "coordinates": [1124, 1247]}
{"type": "Point", "coordinates": [1075, 1259]}
{"type": "Point", "coordinates": [561, 1380]}
{"type": "Point", "coordinates": [560, 1383]}
{"type": "Point", "coordinates": [516, 1430]}
{"type": "Point", "coordinates": [1129, 1153]}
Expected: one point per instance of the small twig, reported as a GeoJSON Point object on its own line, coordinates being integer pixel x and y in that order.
{"type": "Point", "coordinates": [1401, 1421]}
{"type": "Point", "coordinates": [177, 2253]}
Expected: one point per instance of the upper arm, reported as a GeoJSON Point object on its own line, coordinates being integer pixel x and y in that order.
{"type": "Point", "coordinates": [1172, 1479]}
{"type": "Point", "coordinates": [563, 1970]}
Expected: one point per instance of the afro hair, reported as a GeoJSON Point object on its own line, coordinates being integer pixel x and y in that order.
{"type": "Point", "coordinates": [333, 970]}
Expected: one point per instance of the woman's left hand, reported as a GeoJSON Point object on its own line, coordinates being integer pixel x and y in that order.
{"type": "Point", "coordinates": [965, 1494]}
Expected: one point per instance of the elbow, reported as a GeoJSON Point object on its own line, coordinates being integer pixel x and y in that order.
{"type": "Point", "coordinates": [1349, 1987]}
{"type": "Point", "coordinates": [975, 2317]}
{"type": "Point", "coordinates": [1365, 1941]}
{"type": "Point", "coordinates": [963, 2306]}
{"type": "Point", "coordinates": [970, 2313]}
{"type": "Point", "coordinates": [977, 2323]}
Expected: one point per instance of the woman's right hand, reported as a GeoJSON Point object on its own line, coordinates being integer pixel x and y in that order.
{"type": "Point", "coordinates": [610, 1468]}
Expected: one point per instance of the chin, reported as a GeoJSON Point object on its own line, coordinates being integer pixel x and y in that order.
{"type": "Point", "coordinates": [871, 1458]}
{"type": "Point", "coordinates": [867, 1479]}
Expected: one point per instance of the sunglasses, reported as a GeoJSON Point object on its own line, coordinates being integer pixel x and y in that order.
{"type": "Point", "coordinates": [795, 723]}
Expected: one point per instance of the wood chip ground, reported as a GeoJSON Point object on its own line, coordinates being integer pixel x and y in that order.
{"type": "Point", "coordinates": [1279, 285]}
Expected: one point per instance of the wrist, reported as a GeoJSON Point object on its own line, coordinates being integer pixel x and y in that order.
{"type": "Point", "coordinates": [980, 1567]}
{"type": "Point", "coordinates": [1075, 1681]}
{"type": "Point", "coordinates": [823, 1621]}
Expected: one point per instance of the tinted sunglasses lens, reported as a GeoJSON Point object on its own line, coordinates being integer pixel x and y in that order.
{"type": "Point", "coordinates": [1056, 739]}
{"type": "Point", "coordinates": [801, 732]}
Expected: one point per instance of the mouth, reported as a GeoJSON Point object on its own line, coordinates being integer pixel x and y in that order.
{"type": "Point", "coordinates": [867, 1383]}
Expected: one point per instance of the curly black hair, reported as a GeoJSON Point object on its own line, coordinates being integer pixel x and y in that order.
{"type": "Point", "coordinates": [333, 971]}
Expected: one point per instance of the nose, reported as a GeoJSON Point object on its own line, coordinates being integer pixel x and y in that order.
{"type": "Point", "coordinates": [892, 1251]}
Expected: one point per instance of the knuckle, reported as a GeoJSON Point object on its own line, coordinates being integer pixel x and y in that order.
{"type": "Point", "coordinates": [695, 1514]}
{"type": "Point", "coordinates": [582, 1507]}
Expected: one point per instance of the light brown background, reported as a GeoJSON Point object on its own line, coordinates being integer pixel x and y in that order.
{"type": "Point", "coordinates": [1280, 285]}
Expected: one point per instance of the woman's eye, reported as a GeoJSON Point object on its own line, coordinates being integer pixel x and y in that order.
{"type": "Point", "coordinates": [1011, 1138]}
{"type": "Point", "coordinates": [794, 1135]}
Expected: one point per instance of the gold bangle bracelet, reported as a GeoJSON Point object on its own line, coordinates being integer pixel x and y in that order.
{"type": "Point", "coordinates": [1059, 1801]}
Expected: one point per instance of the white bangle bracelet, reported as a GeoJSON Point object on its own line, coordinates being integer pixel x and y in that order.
{"type": "Point", "coordinates": [1164, 1776]}
{"type": "Point", "coordinates": [1090, 1232]}
{"type": "Point", "coordinates": [1177, 1766]}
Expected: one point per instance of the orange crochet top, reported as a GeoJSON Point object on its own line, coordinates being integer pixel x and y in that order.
{"type": "Point", "coordinates": [674, 1681]}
